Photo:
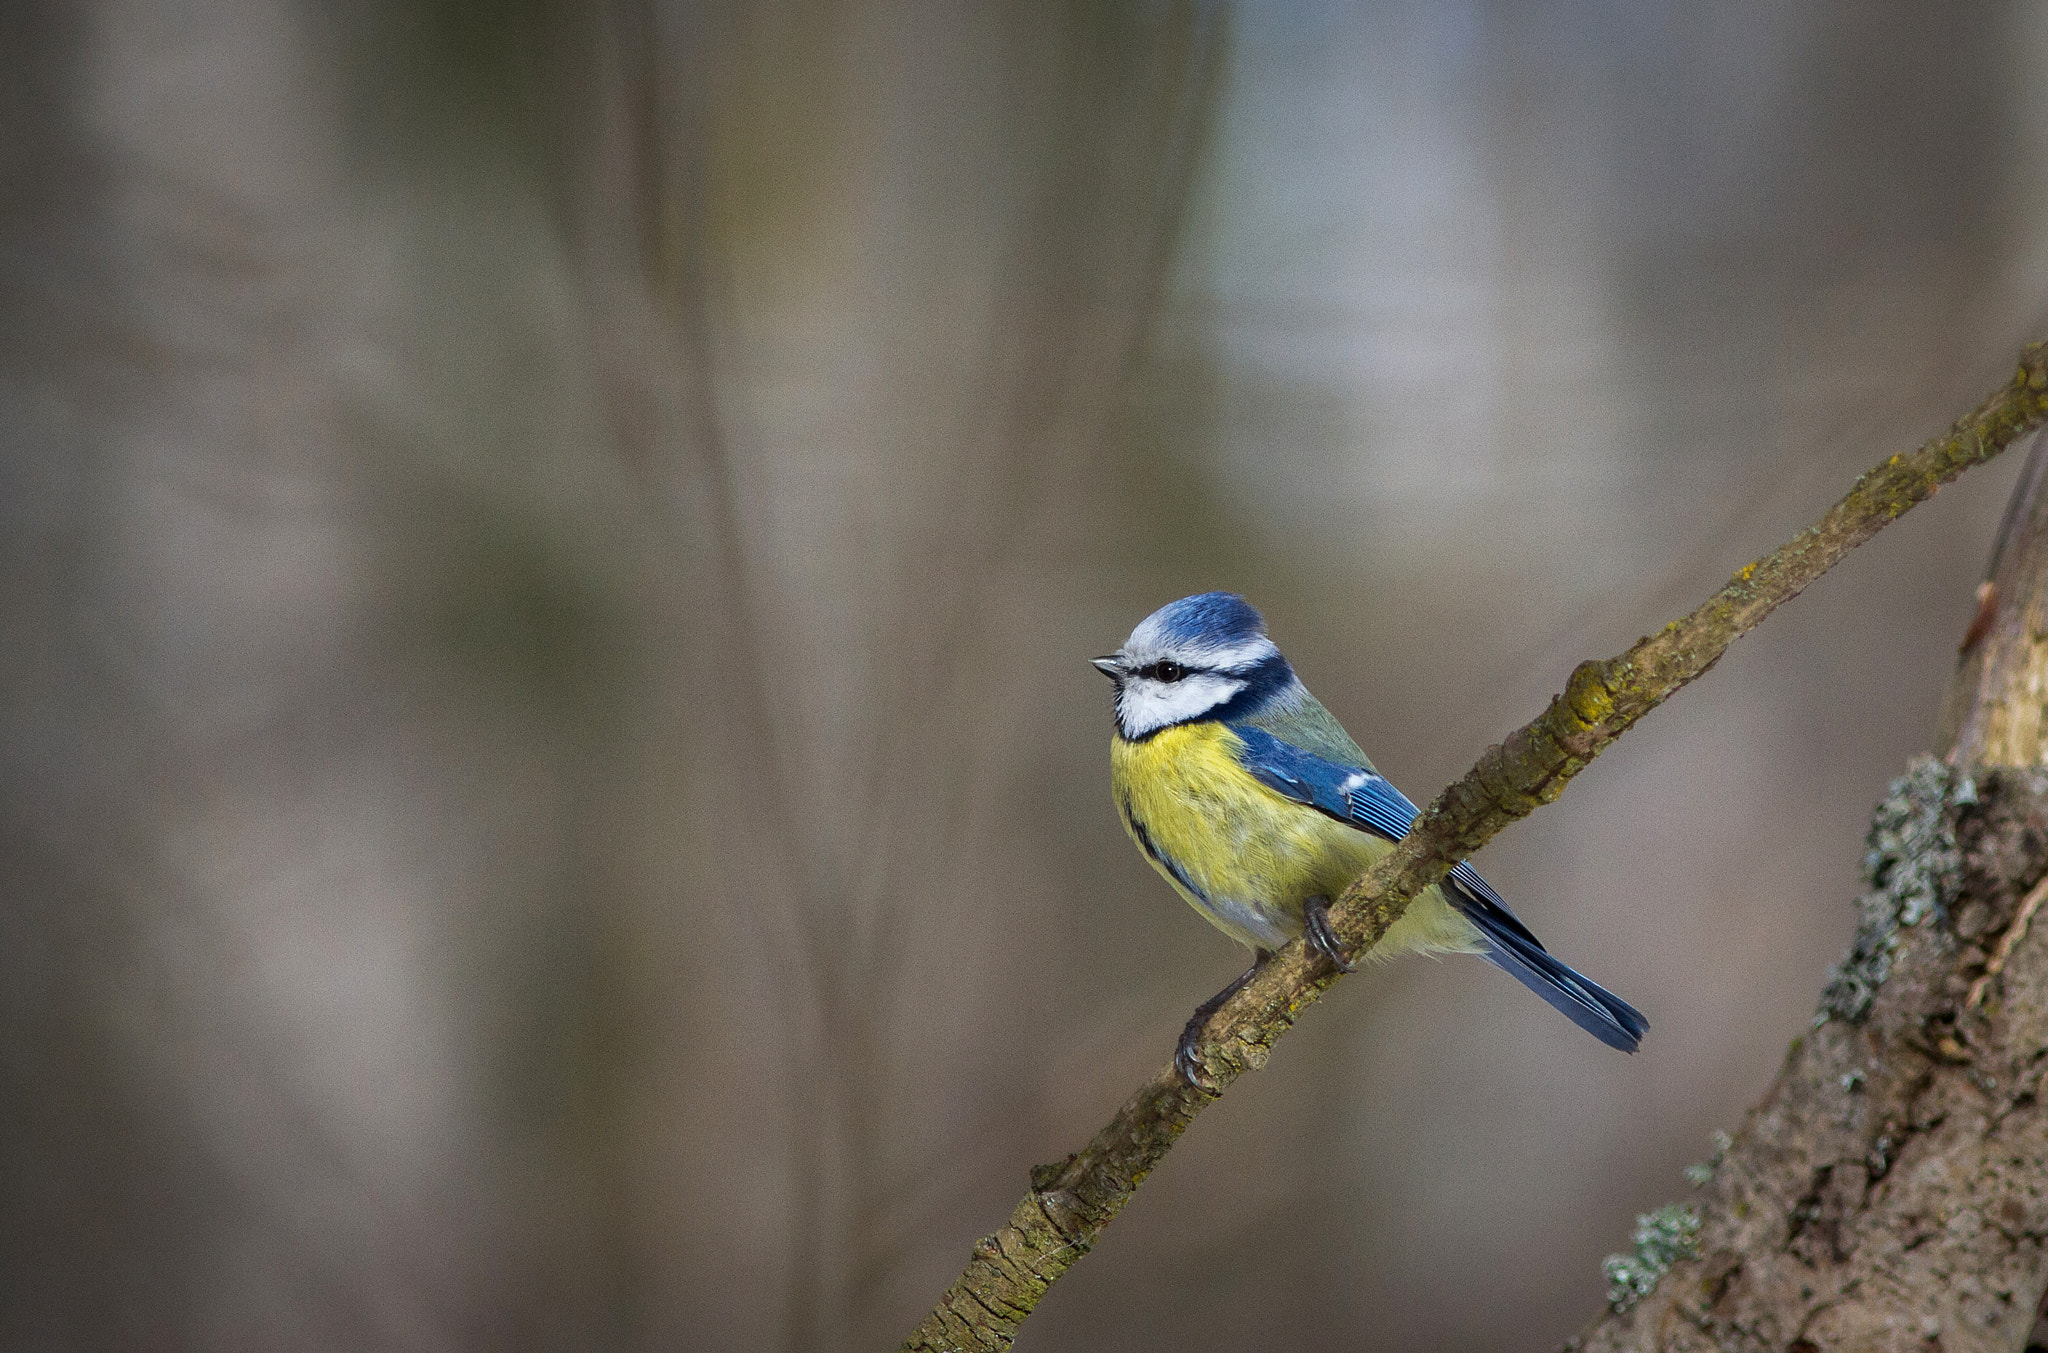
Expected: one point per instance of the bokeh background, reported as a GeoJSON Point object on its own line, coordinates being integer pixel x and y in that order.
{"type": "Point", "coordinates": [550, 795]}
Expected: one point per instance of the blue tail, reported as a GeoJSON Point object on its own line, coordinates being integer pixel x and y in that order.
{"type": "Point", "coordinates": [1512, 949]}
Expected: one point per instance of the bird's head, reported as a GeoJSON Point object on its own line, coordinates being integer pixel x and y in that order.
{"type": "Point", "coordinates": [1202, 657]}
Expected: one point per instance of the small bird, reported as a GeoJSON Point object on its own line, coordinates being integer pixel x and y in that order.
{"type": "Point", "coordinates": [1256, 805]}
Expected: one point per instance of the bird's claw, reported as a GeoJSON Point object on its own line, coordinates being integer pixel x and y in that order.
{"type": "Point", "coordinates": [1321, 938]}
{"type": "Point", "coordinates": [1187, 1054]}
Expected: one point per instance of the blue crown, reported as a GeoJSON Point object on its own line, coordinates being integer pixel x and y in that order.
{"type": "Point", "coordinates": [1219, 618]}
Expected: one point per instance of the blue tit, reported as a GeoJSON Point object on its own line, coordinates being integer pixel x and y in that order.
{"type": "Point", "coordinates": [1254, 803]}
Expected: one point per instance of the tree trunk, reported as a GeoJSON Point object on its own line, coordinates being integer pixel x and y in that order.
{"type": "Point", "coordinates": [1890, 1192]}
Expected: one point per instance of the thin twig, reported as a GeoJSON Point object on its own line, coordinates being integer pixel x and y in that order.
{"type": "Point", "coordinates": [2014, 933]}
{"type": "Point", "coordinates": [1070, 1202]}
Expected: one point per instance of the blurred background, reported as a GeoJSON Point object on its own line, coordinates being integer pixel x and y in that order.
{"type": "Point", "coordinates": [550, 794]}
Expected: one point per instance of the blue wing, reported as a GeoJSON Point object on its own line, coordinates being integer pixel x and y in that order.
{"type": "Point", "coordinates": [1367, 800]}
{"type": "Point", "coordinates": [1356, 796]}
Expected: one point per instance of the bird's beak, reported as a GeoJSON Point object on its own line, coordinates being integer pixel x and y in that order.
{"type": "Point", "coordinates": [1109, 666]}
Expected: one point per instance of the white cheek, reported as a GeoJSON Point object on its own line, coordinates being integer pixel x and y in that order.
{"type": "Point", "coordinates": [1147, 705]}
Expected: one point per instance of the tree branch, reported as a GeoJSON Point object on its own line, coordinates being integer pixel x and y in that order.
{"type": "Point", "coordinates": [1071, 1201]}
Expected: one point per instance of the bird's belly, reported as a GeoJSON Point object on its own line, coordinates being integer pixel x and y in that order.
{"type": "Point", "coordinates": [1245, 857]}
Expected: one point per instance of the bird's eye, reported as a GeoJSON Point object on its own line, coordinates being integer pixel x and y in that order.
{"type": "Point", "coordinates": [1168, 671]}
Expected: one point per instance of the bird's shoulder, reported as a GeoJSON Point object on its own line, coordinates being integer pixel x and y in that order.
{"type": "Point", "coordinates": [1299, 720]}
{"type": "Point", "coordinates": [1302, 753]}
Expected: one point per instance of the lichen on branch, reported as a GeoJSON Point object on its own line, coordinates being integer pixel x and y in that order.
{"type": "Point", "coordinates": [1661, 1238]}
{"type": "Point", "coordinates": [1912, 868]}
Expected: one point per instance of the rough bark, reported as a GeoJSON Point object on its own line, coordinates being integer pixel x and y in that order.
{"type": "Point", "coordinates": [1888, 1191]}
{"type": "Point", "coordinates": [1071, 1201]}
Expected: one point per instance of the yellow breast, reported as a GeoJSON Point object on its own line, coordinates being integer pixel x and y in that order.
{"type": "Point", "coordinates": [1245, 857]}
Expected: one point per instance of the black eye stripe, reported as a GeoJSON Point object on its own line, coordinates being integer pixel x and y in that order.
{"type": "Point", "coordinates": [1163, 670]}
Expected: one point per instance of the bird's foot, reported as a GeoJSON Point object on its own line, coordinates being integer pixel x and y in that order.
{"type": "Point", "coordinates": [1322, 939]}
{"type": "Point", "coordinates": [1186, 1058]}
